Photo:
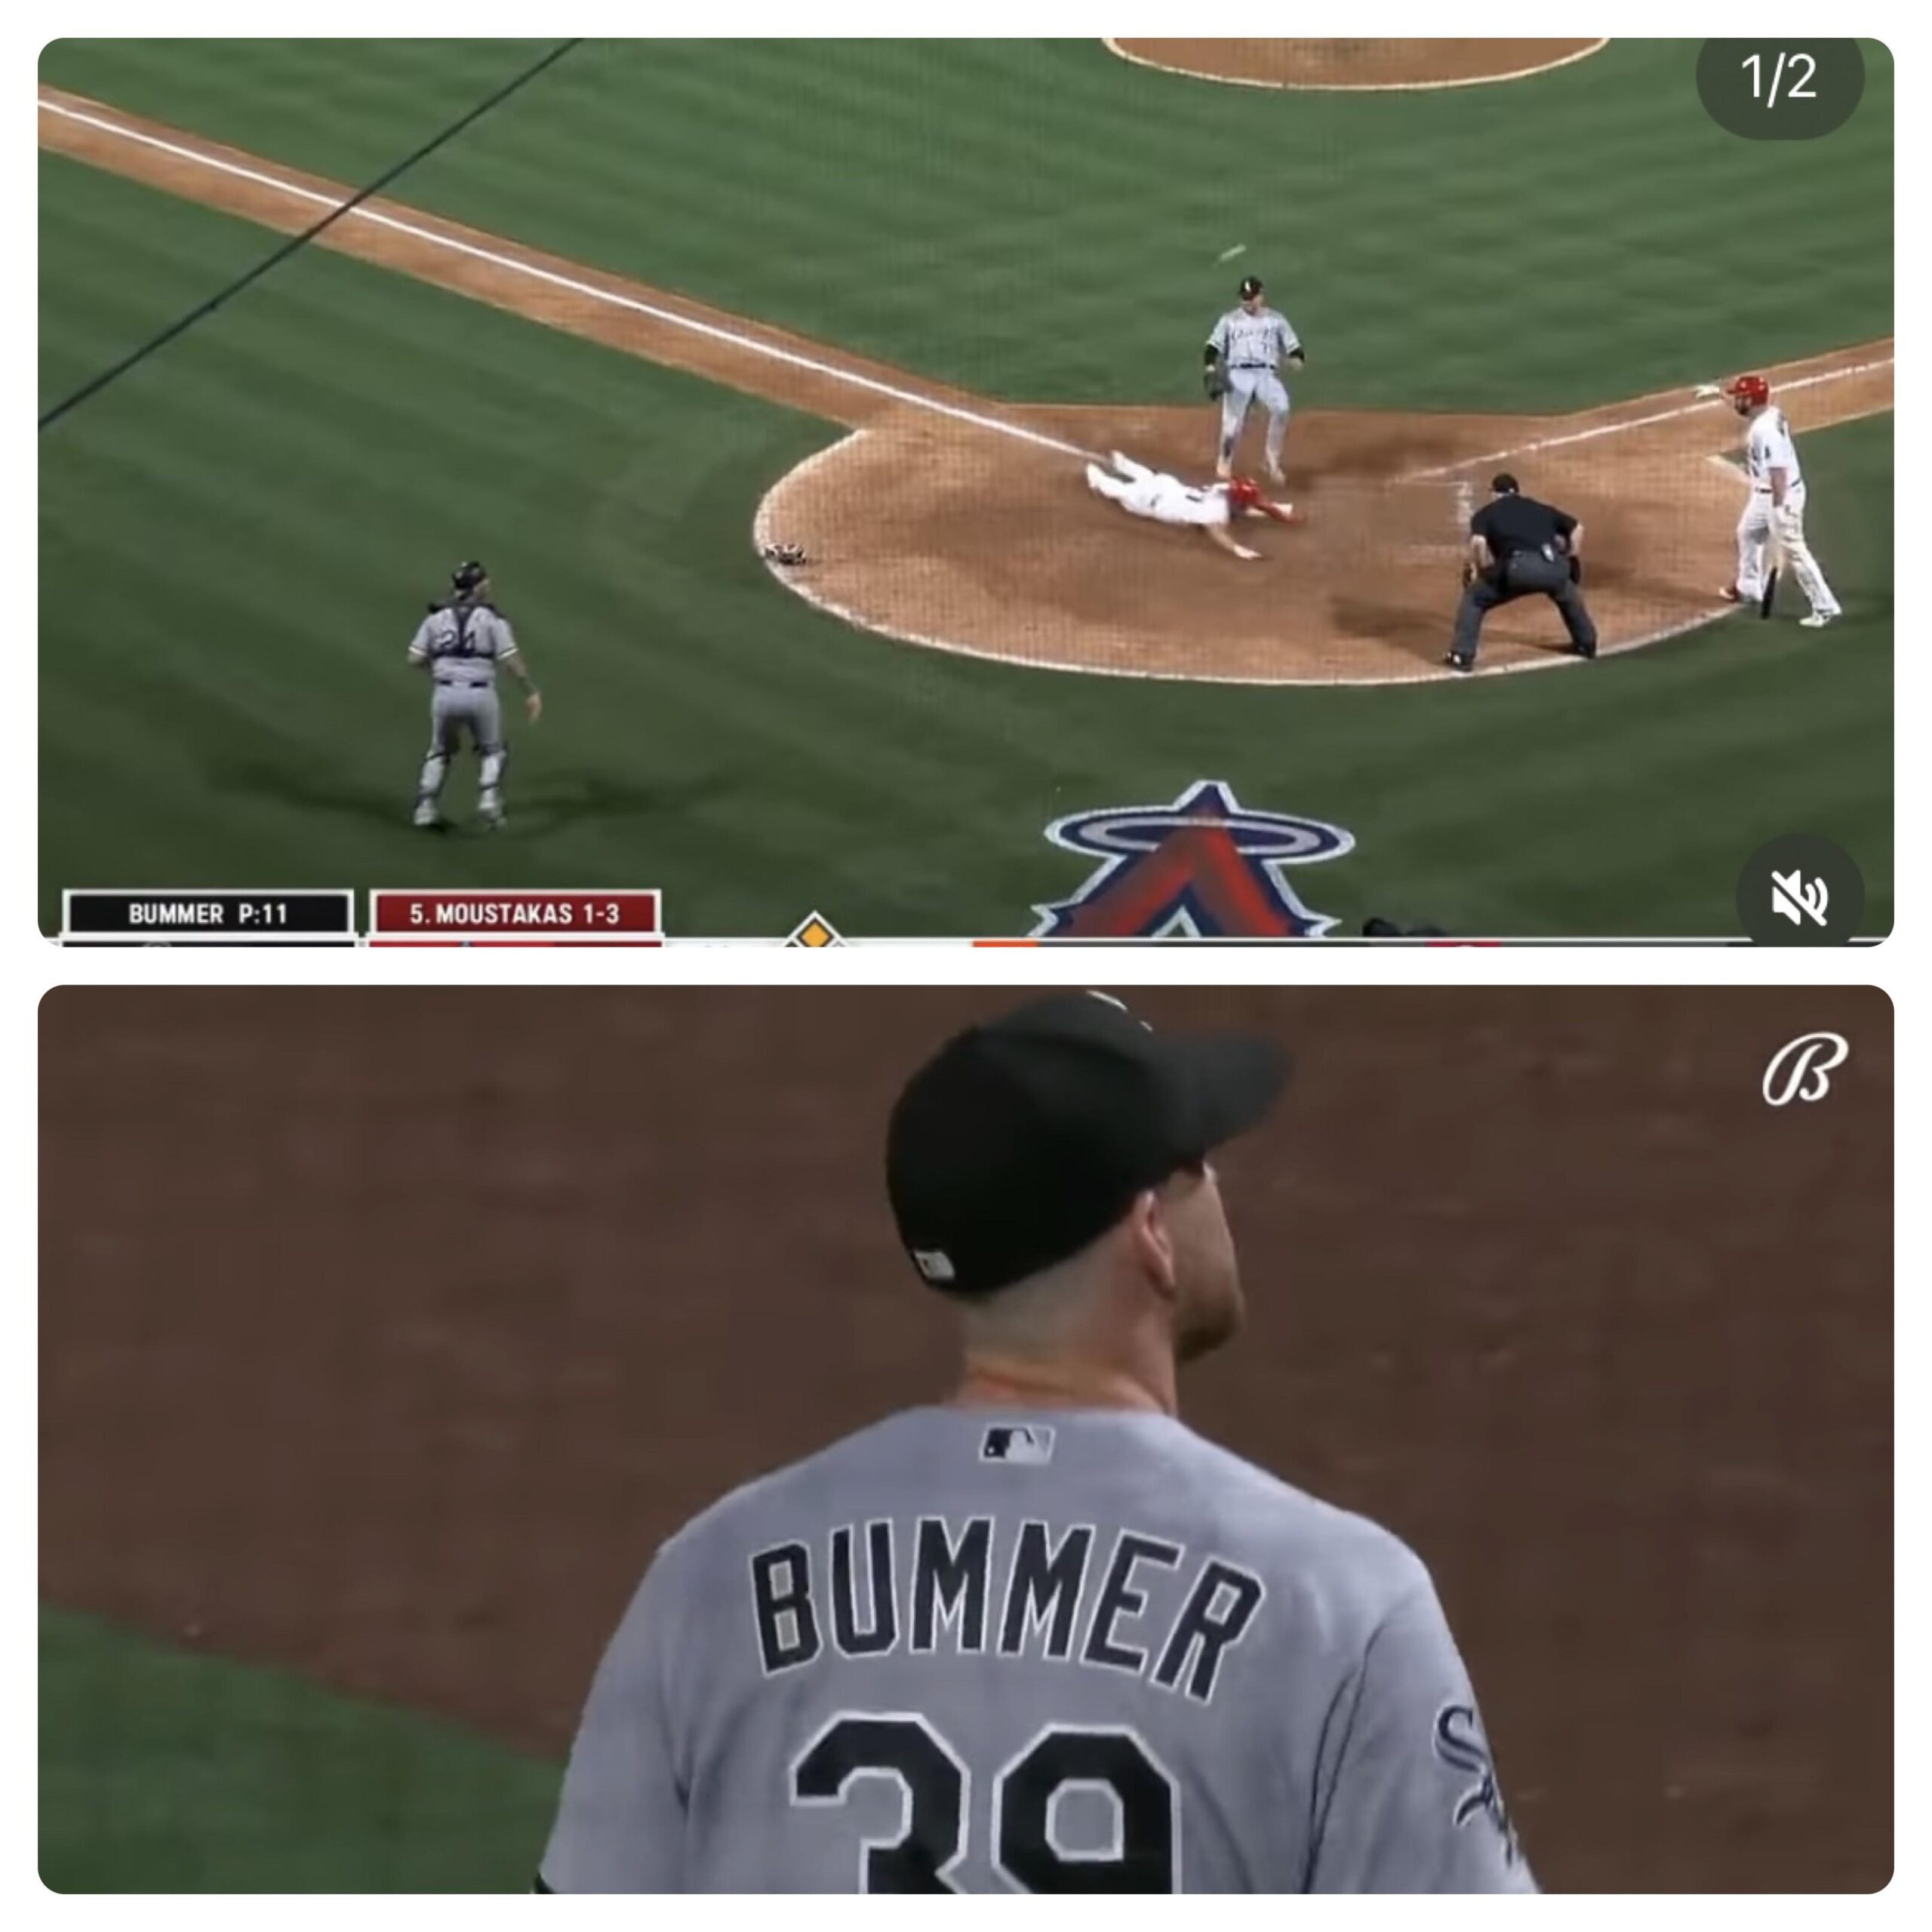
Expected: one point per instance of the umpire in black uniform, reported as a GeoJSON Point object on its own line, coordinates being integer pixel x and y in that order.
{"type": "Point", "coordinates": [1517, 548]}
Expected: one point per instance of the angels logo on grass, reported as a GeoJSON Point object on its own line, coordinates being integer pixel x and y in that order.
{"type": "Point", "coordinates": [1206, 867]}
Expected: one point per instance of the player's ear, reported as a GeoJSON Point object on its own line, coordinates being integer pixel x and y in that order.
{"type": "Point", "coordinates": [1151, 1242]}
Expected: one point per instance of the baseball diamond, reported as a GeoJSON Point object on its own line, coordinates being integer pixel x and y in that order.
{"type": "Point", "coordinates": [741, 736]}
{"type": "Point", "coordinates": [365, 1403]}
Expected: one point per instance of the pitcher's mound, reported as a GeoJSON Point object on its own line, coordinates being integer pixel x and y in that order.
{"type": "Point", "coordinates": [1355, 63]}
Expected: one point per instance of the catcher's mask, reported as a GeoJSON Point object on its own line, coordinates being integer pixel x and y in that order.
{"type": "Point", "coordinates": [466, 577]}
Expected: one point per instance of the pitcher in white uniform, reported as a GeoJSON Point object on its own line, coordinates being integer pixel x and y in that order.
{"type": "Point", "coordinates": [1153, 494]}
{"type": "Point", "coordinates": [1775, 508]}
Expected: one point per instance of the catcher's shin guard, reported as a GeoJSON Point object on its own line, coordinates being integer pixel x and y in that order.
{"type": "Point", "coordinates": [429, 785]}
{"type": "Point", "coordinates": [489, 800]}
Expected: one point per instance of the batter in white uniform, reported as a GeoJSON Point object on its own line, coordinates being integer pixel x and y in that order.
{"type": "Point", "coordinates": [1776, 509]}
{"type": "Point", "coordinates": [1244, 348]}
{"type": "Point", "coordinates": [1153, 494]}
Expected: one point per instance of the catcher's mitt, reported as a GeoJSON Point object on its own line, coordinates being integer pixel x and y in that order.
{"type": "Point", "coordinates": [791, 554]}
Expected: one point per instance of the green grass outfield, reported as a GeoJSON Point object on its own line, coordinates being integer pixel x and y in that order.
{"type": "Point", "coordinates": [162, 1771]}
{"type": "Point", "coordinates": [236, 538]}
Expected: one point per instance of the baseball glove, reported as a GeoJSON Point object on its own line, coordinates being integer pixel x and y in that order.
{"type": "Point", "coordinates": [791, 554]}
{"type": "Point", "coordinates": [1214, 380]}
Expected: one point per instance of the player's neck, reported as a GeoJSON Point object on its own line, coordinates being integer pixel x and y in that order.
{"type": "Point", "coordinates": [991, 1380]}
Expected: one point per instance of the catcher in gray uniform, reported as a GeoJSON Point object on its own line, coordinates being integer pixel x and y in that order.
{"type": "Point", "coordinates": [461, 644]}
{"type": "Point", "coordinates": [1244, 348]}
{"type": "Point", "coordinates": [1041, 1637]}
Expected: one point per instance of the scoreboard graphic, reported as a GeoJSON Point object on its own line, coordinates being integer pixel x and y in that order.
{"type": "Point", "coordinates": [327, 916]}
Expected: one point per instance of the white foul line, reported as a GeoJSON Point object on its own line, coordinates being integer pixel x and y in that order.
{"type": "Point", "coordinates": [1633, 423]}
{"type": "Point", "coordinates": [609, 296]}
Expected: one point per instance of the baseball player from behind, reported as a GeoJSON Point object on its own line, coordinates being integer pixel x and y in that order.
{"type": "Point", "coordinates": [462, 643]}
{"type": "Point", "coordinates": [1243, 349]}
{"type": "Point", "coordinates": [1774, 511]}
{"type": "Point", "coordinates": [1042, 1637]}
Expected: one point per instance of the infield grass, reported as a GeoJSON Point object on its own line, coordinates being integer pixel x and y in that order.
{"type": "Point", "coordinates": [162, 1771]}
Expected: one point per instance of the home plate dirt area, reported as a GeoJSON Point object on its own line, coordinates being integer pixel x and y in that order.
{"type": "Point", "coordinates": [965, 524]}
{"type": "Point", "coordinates": [995, 547]}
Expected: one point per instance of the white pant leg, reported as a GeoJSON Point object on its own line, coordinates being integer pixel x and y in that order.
{"type": "Point", "coordinates": [1790, 533]}
{"type": "Point", "coordinates": [1137, 497]}
{"type": "Point", "coordinates": [1754, 534]}
{"type": "Point", "coordinates": [1136, 472]}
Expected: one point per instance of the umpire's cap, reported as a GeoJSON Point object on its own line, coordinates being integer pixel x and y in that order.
{"type": "Point", "coordinates": [1025, 1139]}
{"type": "Point", "coordinates": [1250, 287]}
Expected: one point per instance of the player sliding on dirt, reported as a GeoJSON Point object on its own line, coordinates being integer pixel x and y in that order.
{"type": "Point", "coordinates": [1150, 493]}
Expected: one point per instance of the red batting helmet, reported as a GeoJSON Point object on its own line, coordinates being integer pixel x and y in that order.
{"type": "Point", "coordinates": [1751, 390]}
{"type": "Point", "coordinates": [1244, 493]}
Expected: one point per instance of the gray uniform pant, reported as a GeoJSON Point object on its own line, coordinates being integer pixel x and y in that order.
{"type": "Point", "coordinates": [455, 709]}
{"type": "Point", "coordinates": [1251, 386]}
{"type": "Point", "coordinates": [1526, 574]}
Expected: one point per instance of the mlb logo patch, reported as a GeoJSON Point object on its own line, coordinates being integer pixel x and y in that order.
{"type": "Point", "coordinates": [1017, 1443]}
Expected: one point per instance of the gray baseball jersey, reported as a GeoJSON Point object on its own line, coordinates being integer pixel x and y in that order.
{"type": "Point", "coordinates": [463, 644]}
{"type": "Point", "coordinates": [1253, 342]}
{"type": "Point", "coordinates": [1078, 1651]}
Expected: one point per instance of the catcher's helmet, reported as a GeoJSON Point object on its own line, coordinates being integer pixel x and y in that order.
{"type": "Point", "coordinates": [1753, 390]}
{"type": "Point", "coordinates": [1250, 287]}
{"type": "Point", "coordinates": [466, 577]}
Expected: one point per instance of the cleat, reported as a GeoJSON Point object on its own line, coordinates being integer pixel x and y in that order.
{"type": "Point", "coordinates": [1456, 661]}
{"type": "Point", "coordinates": [1819, 620]}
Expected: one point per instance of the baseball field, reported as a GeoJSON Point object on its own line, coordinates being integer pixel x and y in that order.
{"type": "Point", "coordinates": [366, 1392]}
{"type": "Point", "coordinates": [651, 306]}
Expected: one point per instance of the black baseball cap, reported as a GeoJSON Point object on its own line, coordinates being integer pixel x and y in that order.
{"type": "Point", "coordinates": [1250, 286]}
{"type": "Point", "coordinates": [1026, 1138]}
